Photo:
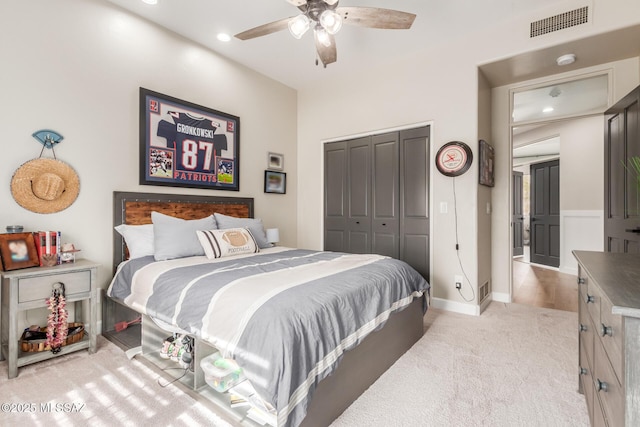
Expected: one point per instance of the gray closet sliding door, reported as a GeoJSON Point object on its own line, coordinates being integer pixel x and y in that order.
{"type": "Point", "coordinates": [377, 196]}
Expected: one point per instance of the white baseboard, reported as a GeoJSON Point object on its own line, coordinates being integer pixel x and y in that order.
{"type": "Point", "coordinates": [500, 297]}
{"type": "Point", "coordinates": [456, 307]}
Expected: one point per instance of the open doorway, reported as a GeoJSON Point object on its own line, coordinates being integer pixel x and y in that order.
{"type": "Point", "coordinates": [557, 172]}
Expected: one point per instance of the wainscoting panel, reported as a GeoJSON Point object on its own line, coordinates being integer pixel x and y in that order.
{"type": "Point", "coordinates": [579, 230]}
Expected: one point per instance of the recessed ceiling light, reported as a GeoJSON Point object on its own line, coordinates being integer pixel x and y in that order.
{"type": "Point", "coordinates": [547, 109]}
{"type": "Point", "coordinates": [566, 59]}
{"type": "Point", "coordinates": [224, 37]}
{"type": "Point", "coordinates": [150, 1]}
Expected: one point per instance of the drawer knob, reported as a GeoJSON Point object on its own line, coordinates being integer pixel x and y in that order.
{"type": "Point", "coordinates": [582, 328]}
{"type": "Point", "coordinates": [589, 299]}
{"type": "Point", "coordinates": [581, 281]}
{"type": "Point", "coordinates": [583, 371]}
{"type": "Point", "coordinates": [601, 386]}
{"type": "Point", "coordinates": [606, 330]}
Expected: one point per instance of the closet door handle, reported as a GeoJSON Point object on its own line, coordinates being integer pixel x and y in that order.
{"type": "Point", "coordinates": [589, 298]}
{"type": "Point", "coordinates": [581, 281]}
{"type": "Point", "coordinates": [606, 330]}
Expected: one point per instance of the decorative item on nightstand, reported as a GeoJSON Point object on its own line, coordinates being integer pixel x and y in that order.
{"type": "Point", "coordinates": [273, 236]}
{"type": "Point", "coordinates": [68, 253]}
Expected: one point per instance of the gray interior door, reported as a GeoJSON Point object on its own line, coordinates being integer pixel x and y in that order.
{"type": "Point", "coordinates": [335, 196]}
{"type": "Point", "coordinates": [359, 196]}
{"type": "Point", "coordinates": [385, 221]}
{"type": "Point", "coordinates": [545, 213]}
{"type": "Point", "coordinates": [517, 215]}
{"type": "Point", "coordinates": [414, 199]}
{"type": "Point", "coordinates": [622, 204]}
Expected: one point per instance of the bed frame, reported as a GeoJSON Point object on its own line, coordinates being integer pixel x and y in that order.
{"type": "Point", "coordinates": [359, 368]}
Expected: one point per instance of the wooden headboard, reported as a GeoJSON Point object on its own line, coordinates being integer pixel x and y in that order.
{"type": "Point", "coordinates": [135, 209]}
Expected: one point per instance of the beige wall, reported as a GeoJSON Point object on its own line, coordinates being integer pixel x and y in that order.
{"type": "Point", "coordinates": [581, 165]}
{"type": "Point", "coordinates": [75, 66]}
{"type": "Point", "coordinates": [439, 85]}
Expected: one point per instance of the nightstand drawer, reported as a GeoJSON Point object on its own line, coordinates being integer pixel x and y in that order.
{"type": "Point", "coordinates": [40, 288]}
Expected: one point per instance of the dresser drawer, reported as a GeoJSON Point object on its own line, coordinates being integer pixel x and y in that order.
{"type": "Point", "coordinates": [40, 288]}
{"type": "Point", "coordinates": [607, 388]}
{"type": "Point", "coordinates": [586, 379]}
{"type": "Point", "coordinates": [610, 331]}
{"type": "Point", "coordinates": [586, 334]}
{"type": "Point", "coordinates": [592, 298]}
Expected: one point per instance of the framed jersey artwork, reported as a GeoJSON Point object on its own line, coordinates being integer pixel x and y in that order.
{"type": "Point", "coordinates": [187, 145]}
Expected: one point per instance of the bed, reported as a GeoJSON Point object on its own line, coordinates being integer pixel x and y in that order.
{"type": "Point", "coordinates": [281, 313]}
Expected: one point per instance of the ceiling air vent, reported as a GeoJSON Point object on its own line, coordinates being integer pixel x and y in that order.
{"type": "Point", "coordinates": [560, 22]}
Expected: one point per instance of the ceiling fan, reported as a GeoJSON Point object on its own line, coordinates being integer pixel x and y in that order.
{"type": "Point", "coordinates": [326, 19]}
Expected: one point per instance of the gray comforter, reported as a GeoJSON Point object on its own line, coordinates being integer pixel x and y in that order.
{"type": "Point", "coordinates": [285, 315]}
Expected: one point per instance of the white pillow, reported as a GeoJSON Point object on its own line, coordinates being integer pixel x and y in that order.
{"type": "Point", "coordinates": [139, 239]}
{"type": "Point", "coordinates": [228, 242]}
{"type": "Point", "coordinates": [253, 224]}
{"type": "Point", "coordinates": [176, 237]}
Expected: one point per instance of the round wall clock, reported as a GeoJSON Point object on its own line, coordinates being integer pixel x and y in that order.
{"type": "Point", "coordinates": [454, 158]}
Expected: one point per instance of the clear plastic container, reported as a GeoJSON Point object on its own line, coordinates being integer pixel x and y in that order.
{"type": "Point", "coordinates": [221, 374]}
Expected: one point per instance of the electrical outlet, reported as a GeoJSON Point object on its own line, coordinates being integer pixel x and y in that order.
{"type": "Point", "coordinates": [458, 281]}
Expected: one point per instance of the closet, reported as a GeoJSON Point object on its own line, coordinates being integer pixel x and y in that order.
{"type": "Point", "coordinates": [376, 196]}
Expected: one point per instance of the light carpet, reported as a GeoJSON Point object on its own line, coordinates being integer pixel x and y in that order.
{"type": "Point", "coordinates": [512, 366]}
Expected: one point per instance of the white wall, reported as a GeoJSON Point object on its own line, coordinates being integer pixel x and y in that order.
{"type": "Point", "coordinates": [440, 85]}
{"type": "Point", "coordinates": [75, 66]}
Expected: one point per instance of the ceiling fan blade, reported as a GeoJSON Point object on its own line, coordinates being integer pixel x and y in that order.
{"type": "Point", "coordinates": [263, 30]}
{"type": "Point", "coordinates": [327, 54]}
{"type": "Point", "coordinates": [373, 17]}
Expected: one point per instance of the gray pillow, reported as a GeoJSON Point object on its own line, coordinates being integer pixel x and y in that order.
{"type": "Point", "coordinates": [176, 237]}
{"type": "Point", "coordinates": [253, 224]}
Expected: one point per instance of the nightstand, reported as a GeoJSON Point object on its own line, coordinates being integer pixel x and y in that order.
{"type": "Point", "coordinates": [29, 288]}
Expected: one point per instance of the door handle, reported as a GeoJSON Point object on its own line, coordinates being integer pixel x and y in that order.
{"type": "Point", "coordinates": [533, 219]}
{"type": "Point", "coordinates": [633, 230]}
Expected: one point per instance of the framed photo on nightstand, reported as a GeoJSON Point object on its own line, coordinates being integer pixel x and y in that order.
{"type": "Point", "coordinates": [18, 250]}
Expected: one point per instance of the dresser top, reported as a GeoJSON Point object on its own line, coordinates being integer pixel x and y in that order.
{"type": "Point", "coordinates": [618, 275]}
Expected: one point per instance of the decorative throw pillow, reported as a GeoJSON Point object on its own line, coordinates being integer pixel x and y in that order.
{"type": "Point", "coordinates": [139, 239]}
{"type": "Point", "coordinates": [176, 237]}
{"type": "Point", "coordinates": [227, 242]}
{"type": "Point", "coordinates": [253, 224]}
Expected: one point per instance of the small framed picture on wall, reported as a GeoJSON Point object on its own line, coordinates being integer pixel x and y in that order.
{"type": "Point", "coordinates": [275, 182]}
{"type": "Point", "coordinates": [486, 164]}
{"type": "Point", "coordinates": [275, 161]}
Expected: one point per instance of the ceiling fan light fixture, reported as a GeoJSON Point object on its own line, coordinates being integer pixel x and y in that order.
{"type": "Point", "coordinates": [331, 21]}
{"type": "Point", "coordinates": [299, 25]}
{"type": "Point", "coordinates": [322, 36]}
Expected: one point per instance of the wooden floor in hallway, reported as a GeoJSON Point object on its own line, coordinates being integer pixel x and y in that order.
{"type": "Point", "coordinates": [544, 287]}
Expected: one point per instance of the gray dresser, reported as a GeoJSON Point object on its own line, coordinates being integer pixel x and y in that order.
{"type": "Point", "coordinates": [609, 325]}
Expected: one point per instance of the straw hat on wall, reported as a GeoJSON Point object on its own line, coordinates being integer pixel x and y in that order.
{"type": "Point", "coordinates": [45, 185]}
